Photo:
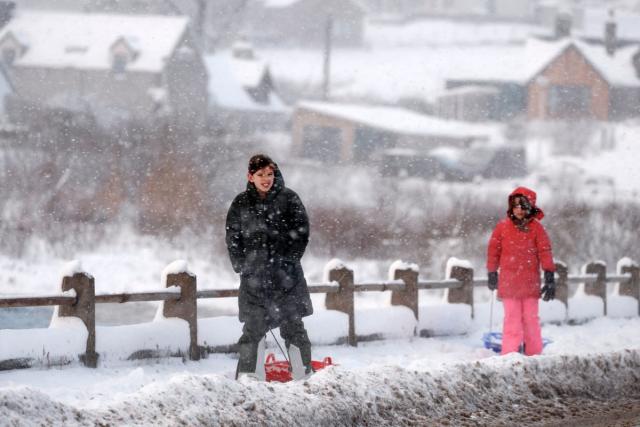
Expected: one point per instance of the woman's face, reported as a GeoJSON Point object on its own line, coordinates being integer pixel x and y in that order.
{"type": "Point", "coordinates": [262, 179]}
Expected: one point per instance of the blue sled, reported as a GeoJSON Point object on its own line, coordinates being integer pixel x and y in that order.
{"type": "Point", "coordinates": [493, 341]}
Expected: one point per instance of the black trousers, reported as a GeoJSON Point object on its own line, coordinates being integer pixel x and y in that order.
{"type": "Point", "coordinates": [255, 328]}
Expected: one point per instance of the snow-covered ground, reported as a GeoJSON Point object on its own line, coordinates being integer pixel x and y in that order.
{"type": "Point", "coordinates": [423, 379]}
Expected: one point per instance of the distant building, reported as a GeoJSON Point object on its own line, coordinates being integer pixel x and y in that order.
{"type": "Point", "coordinates": [345, 132]}
{"type": "Point", "coordinates": [111, 66]}
{"type": "Point", "coordinates": [563, 79]}
{"type": "Point", "coordinates": [304, 22]}
{"type": "Point", "coordinates": [241, 91]}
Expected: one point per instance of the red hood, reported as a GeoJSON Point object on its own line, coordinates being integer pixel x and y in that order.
{"type": "Point", "coordinates": [531, 196]}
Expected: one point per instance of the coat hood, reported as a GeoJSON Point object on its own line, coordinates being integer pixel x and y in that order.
{"type": "Point", "coordinates": [531, 196]}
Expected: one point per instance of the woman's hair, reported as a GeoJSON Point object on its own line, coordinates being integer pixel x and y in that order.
{"type": "Point", "coordinates": [260, 161]}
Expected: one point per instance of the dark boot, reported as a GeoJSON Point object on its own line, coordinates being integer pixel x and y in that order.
{"type": "Point", "coordinates": [300, 367]}
{"type": "Point", "coordinates": [251, 360]}
{"type": "Point", "coordinates": [298, 344]}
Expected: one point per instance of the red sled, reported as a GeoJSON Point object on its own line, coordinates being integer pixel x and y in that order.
{"type": "Point", "coordinates": [280, 371]}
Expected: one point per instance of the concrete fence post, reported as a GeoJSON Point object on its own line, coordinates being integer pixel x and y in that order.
{"type": "Point", "coordinates": [599, 287]}
{"type": "Point", "coordinates": [343, 299]}
{"type": "Point", "coordinates": [464, 294]}
{"type": "Point", "coordinates": [408, 297]}
{"type": "Point", "coordinates": [185, 308]}
{"type": "Point", "coordinates": [85, 309]}
{"type": "Point", "coordinates": [562, 285]}
{"type": "Point", "coordinates": [631, 288]}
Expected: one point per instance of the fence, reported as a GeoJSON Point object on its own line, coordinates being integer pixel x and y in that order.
{"type": "Point", "coordinates": [181, 300]}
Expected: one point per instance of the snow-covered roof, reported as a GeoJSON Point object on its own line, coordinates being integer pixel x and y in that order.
{"type": "Point", "coordinates": [523, 66]}
{"type": "Point", "coordinates": [398, 120]}
{"type": "Point", "coordinates": [470, 89]}
{"type": "Point", "coordinates": [229, 77]}
{"type": "Point", "coordinates": [279, 3]}
{"type": "Point", "coordinates": [249, 72]}
{"type": "Point", "coordinates": [83, 41]}
{"type": "Point", "coordinates": [616, 69]}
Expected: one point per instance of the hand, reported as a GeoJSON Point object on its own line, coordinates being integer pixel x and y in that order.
{"type": "Point", "coordinates": [493, 280]}
{"type": "Point", "coordinates": [549, 288]}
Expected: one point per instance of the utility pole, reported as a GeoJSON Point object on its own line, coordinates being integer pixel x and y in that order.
{"type": "Point", "coordinates": [326, 68]}
{"type": "Point", "coordinates": [199, 23]}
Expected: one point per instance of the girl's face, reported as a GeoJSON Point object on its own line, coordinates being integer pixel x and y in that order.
{"type": "Point", "coordinates": [262, 179]}
{"type": "Point", "coordinates": [520, 207]}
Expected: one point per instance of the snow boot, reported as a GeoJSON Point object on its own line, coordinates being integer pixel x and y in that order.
{"type": "Point", "coordinates": [251, 361]}
{"type": "Point", "coordinates": [301, 368]}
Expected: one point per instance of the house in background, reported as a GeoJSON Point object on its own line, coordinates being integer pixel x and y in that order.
{"type": "Point", "coordinates": [111, 66]}
{"type": "Point", "coordinates": [331, 132]}
{"type": "Point", "coordinates": [242, 95]}
{"type": "Point", "coordinates": [401, 142]}
{"type": "Point", "coordinates": [562, 79]}
{"type": "Point", "coordinates": [303, 22]}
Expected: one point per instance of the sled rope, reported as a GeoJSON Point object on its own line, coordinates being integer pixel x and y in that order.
{"type": "Point", "coordinates": [279, 346]}
{"type": "Point", "coordinates": [491, 312]}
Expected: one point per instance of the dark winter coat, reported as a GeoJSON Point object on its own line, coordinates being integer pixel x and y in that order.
{"type": "Point", "coordinates": [266, 239]}
{"type": "Point", "coordinates": [519, 252]}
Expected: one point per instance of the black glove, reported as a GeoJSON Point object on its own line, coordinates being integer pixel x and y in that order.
{"type": "Point", "coordinates": [549, 288]}
{"type": "Point", "coordinates": [493, 280]}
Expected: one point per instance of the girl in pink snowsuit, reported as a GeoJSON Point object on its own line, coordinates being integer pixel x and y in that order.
{"type": "Point", "coordinates": [518, 247]}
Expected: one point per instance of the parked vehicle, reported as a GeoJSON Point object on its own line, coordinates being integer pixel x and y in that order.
{"type": "Point", "coordinates": [456, 164]}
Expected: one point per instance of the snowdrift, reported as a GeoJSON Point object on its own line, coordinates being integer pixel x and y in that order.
{"type": "Point", "coordinates": [510, 389]}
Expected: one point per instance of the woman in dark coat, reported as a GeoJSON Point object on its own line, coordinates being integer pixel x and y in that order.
{"type": "Point", "coordinates": [267, 232]}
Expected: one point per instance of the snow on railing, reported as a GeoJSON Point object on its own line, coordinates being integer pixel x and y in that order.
{"type": "Point", "coordinates": [179, 298]}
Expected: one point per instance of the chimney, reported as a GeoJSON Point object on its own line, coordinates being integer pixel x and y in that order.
{"type": "Point", "coordinates": [6, 12]}
{"type": "Point", "coordinates": [610, 34]}
{"type": "Point", "coordinates": [563, 25]}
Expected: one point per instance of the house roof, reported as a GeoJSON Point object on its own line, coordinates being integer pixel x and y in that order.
{"type": "Point", "coordinates": [249, 72]}
{"type": "Point", "coordinates": [617, 70]}
{"type": "Point", "coordinates": [83, 41]}
{"type": "Point", "coordinates": [470, 90]}
{"type": "Point", "coordinates": [399, 120]}
{"type": "Point", "coordinates": [521, 67]}
{"type": "Point", "coordinates": [278, 3]}
{"type": "Point", "coordinates": [229, 79]}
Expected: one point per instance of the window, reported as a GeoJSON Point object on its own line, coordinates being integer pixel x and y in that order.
{"type": "Point", "coordinates": [321, 143]}
{"type": "Point", "coordinates": [368, 141]}
{"type": "Point", "coordinates": [567, 101]}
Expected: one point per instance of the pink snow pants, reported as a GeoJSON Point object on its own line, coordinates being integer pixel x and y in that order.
{"type": "Point", "coordinates": [521, 325]}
